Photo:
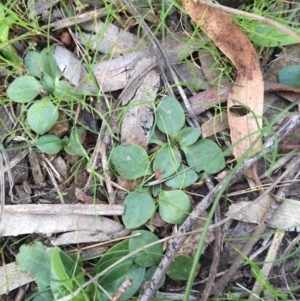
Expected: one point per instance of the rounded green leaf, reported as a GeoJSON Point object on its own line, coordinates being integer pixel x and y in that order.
{"type": "Point", "coordinates": [185, 177]}
{"type": "Point", "coordinates": [174, 206]}
{"type": "Point", "coordinates": [150, 272]}
{"type": "Point", "coordinates": [48, 64]}
{"type": "Point", "coordinates": [180, 268]}
{"type": "Point", "coordinates": [187, 136]}
{"type": "Point", "coordinates": [36, 261]}
{"type": "Point", "coordinates": [24, 89]}
{"type": "Point", "coordinates": [48, 83]}
{"type": "Point", "coordinates": [290, 76]}
{"type": "Point", "coordinates": [31, 63]}
{"type": "Point", "coordinates": [115, 253]}
{"type": "Point", "coordinates": [62, 88]}
{"type": "Point", "coordinates": [139, 208]}
{"type": "Point", "coordinates": [156, 190]}
{"type": "Point", "coordinates": [74, 145]}
{"type": "Point", "coordinates": [149, 256]}
{"type": "Point", "coordinates": [130, 161]}
{"type": "Point", "coordinates": [113, 280]}
{"type": "Point", "coordinates": [166, 162]}
{"type": "Point", "coordinates": [42, 115]}
{"type": "Point", "coordinates": [170, 116]}
{"type": "Point", "coordinates": [49, 144]}
{"type": "Point", "coordinates": [205, 155]}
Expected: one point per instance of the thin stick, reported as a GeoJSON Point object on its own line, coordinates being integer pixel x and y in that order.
{"type": "Point", "coordinates": [63, 209]}
{"type": "Point", "coordinates": [216, 258]}
{"type": "Point", "coordinates": [252, 16]}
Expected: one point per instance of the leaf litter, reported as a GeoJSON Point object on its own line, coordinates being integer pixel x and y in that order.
{"type": "Point", "coordinates": [120, 101]}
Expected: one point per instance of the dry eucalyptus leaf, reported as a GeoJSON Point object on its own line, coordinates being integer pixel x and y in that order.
{"type": "Point", "coordinates": [75, 237]}
{"type": "Point", "coordinates": [215, 125]}
{"type": "Point", "coordinates": [27, 221]}
{"type": "Point", "coordinates": [73, 70]}
{"type": "Point", "coordinates": [109, 38]}
{"type": "Point", "coordinates": [191, 244]}
{"type": "Point", "coordinates": [114, 74]}
{"type": "Point", "coordinates": [138, 121]}
{"type": "Point", "coordinates": [286, 217]}
{"type": "Point", "coordinates": [248, 88]}
{"type": "Point", "coordinates": [14, 277]}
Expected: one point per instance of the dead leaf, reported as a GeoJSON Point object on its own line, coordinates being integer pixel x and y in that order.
{"type": "Point", "coordinates": [247, 91]}
{"type": "Point", "coordinates": [285, 217]}
{"type": "Point", "coordinates": [138, 121]}
{"type": "Point", "coordinates": [11, 278]}
{"type": "Point", "coordinates": [214, 125]}
{"type": "Point", "coordinates": [49, 219]}
{"type": "Point", "coordinates": [213, 96]}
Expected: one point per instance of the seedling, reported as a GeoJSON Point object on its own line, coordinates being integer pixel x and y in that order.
{"type": "Point", "coordinates": [45, 77]}
{"type": "Point", "coordinates": [176, 164]}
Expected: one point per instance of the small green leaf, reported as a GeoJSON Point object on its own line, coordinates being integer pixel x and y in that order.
{"type": "Point", "coordinates": [49, 144]}
{"type": "Point", "coordinates": [156, 190]}
{"type": "Point", "coordinates": [116, 252]}
{"type": "Point", "coordinates": [269, 36]}
{"type": "Point", "coordinates": [114, 279]}
{"type": "Point", "coordinates": [205, 155]}
{"type": "Point", "coordinates": [151, 255]}
{"type": "Point", "coordinates": [139, 208]}
{"type": "Point", "coordinates": [166, 162]}
{"type": "Point", "coordinates": [48, 83]}
{"type": "Point", "coordinates": [187, 136]}
{"type": "Point", "coordinates": [130, 161]}
{"type": "Point", "coordinates": [150, 272]}
{"type": "Point", "coordinates": [155, 140]}
{"type": "Point", "coordinates": [31, 63]}
{"type": "Point", "coordinates": [290, 76]}
{"type": "Point", "coordinates": [185, 177]}
{"type": "Point", "coordinates": [62, 88]}
{"type": "Point", "coordinates": [61, 284]}
{"type": "Point", "coordinates": [174, 206]}
{"type": "Point", "coordinates": [24, 89]}
{"type": "Point", "coordinates": [42, 116]}
{"type": "Point", "coordinates": [36, 261]}
{"type": "Point", "coordinates": [48, 64]}
{"type": "Point", "coordinates": [180, 268]}
{"type": "Point", "coordinates": [74, 145]}
{"type": "Point", "coordinates": [116, 272]}
{"type": "Point", "coordinates": [170, 116]}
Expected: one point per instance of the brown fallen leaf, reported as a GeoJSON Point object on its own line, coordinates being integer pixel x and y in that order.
{"type": "Point", "coordinates": [247, 92]}
{"type": "Point", "coordinates": [213, 96]}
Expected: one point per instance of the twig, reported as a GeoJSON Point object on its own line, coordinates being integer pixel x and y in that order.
{"type": "Point", "coordinates": [216, 258]}
{"type": "Point", "coordinates": [122, 289]}
{"type": "Point", "coordinates": [62, 209]}
{"type": "Point", "coordinates": [207, 201]}
{"type": "Point", "coordinates": [252, 16]}
{"type": "Point", "coordinates": [80, 18]}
